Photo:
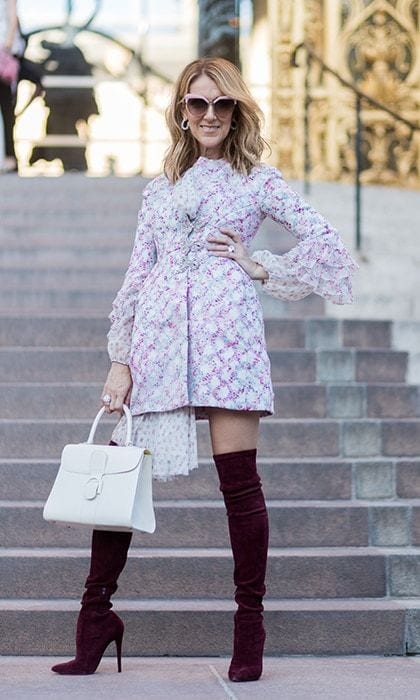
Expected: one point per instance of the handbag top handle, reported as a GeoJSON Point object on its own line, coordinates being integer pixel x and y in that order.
{"type": "Point", "coordinates": [128, 436]}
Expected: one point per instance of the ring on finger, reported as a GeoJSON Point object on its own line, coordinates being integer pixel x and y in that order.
{"type": "Point", "coordinates": [106, 399]}
{"type": "Point", "coordinates": [231, 248]}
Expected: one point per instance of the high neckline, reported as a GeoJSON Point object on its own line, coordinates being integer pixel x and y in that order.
{"type": "Point", "coordinates": [212, 161]}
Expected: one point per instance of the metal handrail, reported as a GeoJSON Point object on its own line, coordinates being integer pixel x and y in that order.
{"type": "Point", "coordinates": [360, 96]}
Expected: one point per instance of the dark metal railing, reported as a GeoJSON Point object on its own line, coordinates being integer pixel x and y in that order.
{"type": "Point", "coordinates": [361, 96]}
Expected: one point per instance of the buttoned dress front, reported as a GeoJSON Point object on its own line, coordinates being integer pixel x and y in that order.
{"type": "Point", "coordinates": [189, 324]}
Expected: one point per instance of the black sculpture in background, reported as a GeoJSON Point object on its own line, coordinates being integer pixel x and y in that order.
{"type": "Point", "coordinates": [67, 105]}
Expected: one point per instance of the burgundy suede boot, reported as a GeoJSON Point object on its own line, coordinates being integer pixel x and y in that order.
{"type": "Point", "coordinates": [248, 530]}
{"type": "Point", "coordinates": [97, 624]}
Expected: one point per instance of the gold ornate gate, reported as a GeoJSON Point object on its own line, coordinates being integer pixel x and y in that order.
{"type": "Point", "coordinates": [374, 44]}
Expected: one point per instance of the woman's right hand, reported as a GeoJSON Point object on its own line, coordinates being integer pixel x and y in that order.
{"type": "Point", "coordinates": [118, 386]}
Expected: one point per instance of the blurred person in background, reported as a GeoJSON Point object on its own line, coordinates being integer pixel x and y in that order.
{"type": "Point", "coordinates": [13, 42]}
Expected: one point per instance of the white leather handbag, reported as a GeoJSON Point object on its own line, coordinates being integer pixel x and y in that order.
{"type": "Point", "coordinates": [106, 487]}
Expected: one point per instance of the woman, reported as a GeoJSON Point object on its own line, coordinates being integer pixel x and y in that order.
{"type": "Point", "coordinates": [187, 336]}
{"type": "Point", "coordinates": [11, 42]}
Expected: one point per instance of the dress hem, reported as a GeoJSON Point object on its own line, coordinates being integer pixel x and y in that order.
{"type": "Point", "coordinates": [200, 410]}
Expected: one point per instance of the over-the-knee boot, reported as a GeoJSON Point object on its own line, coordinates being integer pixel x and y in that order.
{"type": "Point", "coordinates": [97, 624]}
{"type": "Point", "coordinates": [248, 530]}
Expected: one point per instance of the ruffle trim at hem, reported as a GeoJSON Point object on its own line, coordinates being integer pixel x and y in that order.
{"type": "Point", "coordinates": [171, 436]}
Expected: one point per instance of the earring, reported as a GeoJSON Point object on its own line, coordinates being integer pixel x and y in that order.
{"type": "Point", "coordinates": [184, 125]}
{"type": "Point", "coordinates": [233, 125]}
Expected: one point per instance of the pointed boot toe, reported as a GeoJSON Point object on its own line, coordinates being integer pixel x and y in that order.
{"type": "Point", "coordinates": [95, 631]}
{"type": "Point", "coordinates": [71, 668]}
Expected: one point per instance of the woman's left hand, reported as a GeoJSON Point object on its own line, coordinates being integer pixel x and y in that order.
{"type": "Point", "coordinates": [219, 246]}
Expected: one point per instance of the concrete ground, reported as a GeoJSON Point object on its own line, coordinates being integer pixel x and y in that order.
{"type": "Point", "coordinates": [297, 678]}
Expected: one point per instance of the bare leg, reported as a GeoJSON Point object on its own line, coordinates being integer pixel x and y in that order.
{"type": "Point", "coordinates": [231, 431]}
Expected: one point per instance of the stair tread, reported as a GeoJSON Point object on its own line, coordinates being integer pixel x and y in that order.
{"type": "Point", "coordinates": [209, 604]}
{"type": "Point", "coordinates": [211, 552]}
{"type": "Point", "coordinates": [273, 503]}
{"type": "Point", "coordinates": [262, 460]}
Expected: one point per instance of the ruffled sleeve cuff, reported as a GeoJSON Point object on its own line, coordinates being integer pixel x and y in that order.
{"type": "Point", "coordinates": [319, 265]}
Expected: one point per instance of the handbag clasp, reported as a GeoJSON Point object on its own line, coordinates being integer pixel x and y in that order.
{"type": "Point", "coordinates": [93, 488]}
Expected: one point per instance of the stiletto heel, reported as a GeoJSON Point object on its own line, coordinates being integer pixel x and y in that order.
{"type": "Point", "coordinates": [118, 644]}
{"type": "Point", "coordinates": [95, 632]}
{"type": "Point", "coordinates": [97, 625]}
{"type": "Point", "coordinates": [248, 530]}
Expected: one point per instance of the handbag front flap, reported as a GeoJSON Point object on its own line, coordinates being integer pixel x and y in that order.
{"type": "Point", "coordinates": [104, 459]}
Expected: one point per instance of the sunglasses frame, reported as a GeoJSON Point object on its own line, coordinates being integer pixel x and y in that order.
{"type": "Point", "coordinates": [214, 102]}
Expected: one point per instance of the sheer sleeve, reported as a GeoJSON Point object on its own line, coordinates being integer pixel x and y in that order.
{"type": "Point", "coordinates": [143, 258]}
{"type": "Point", "coordinates": [318, 263]}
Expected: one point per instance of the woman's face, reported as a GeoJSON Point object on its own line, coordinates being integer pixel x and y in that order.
{"type": "Point", "coordinates": [209, 130]}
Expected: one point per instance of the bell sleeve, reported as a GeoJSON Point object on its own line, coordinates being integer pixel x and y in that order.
{"type": "Point", "coordinates": [143, 258]}
{"type": "Point", "coordinates": [319, 262]}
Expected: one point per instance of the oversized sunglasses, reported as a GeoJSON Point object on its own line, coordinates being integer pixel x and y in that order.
{"type": "Point", "coordinates": [198, 105]}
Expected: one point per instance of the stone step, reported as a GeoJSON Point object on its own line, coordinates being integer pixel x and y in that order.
{"type": "Point", "coordinates": [71, 183]}
{"type": "Point", "coordinates": [61, 190]}
{"type": "Point", "coordinates": [277, 437]}
{"type": "Point", "coordinates": [75, 226]}
{"type": "Point", "coordinates": [203, 524]}
{"type": "Point", "coordinates": [65, 188]}
{"type": "Point", "coordinates": [14, 279]}
{"type": "Point", "coordinates": [31, 331]}
{"type": "Point", "coordinates": [39, 438]}
{"type": "Point", "coordinates": [20, 207]}
{"type": "Point", "coordinates": [34, 364]}
{"type": "Point", "coordinates": [99, 299]}
{"type": "Point", "coordinates": [93, 217]}
{"type": "Point", "coordinates": [284, 333]}
{"type": "Point", "coordinates": [56, 240]}
{"type": "Point", "coordinates": [293, 627]}
{"type": "Point", "coordinates": [69, 256]}
{"type": "Point", "coordinates": [326, 479]}
{"type": "Point", "coordinates": [323, 480]}
{"type": "Point", "coordinates": [55, 573]}
{"type": "Point", "coordinates": [81, 400]}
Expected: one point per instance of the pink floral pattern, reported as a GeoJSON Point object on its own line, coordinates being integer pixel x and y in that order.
{"type": "Point", "coordinates": [319, 263]}
{"type": "Point", "coordinates": [189, 324]}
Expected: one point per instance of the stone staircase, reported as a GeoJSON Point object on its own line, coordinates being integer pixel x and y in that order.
{"type": "Point", "coordinates": [340, 459]}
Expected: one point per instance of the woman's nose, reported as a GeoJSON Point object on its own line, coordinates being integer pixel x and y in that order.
{"type": "Point", "coordinates": [210, 114]}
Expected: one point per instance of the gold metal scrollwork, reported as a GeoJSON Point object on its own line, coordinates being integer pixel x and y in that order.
{"type": "Point", "coordinates": [372, 43]}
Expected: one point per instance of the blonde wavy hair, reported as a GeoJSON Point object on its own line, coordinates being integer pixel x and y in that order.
{"type": "Point", "coordinates": [243, 147]}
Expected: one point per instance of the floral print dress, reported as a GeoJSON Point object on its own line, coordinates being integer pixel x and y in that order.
{"type": "Point", "coordinates": [190, 324]}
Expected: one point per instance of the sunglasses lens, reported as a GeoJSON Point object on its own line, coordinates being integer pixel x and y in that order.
{"type": "Point", "coordinates": [224, 107]}
{"type": "Point", "coordinates": [197, 106]}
